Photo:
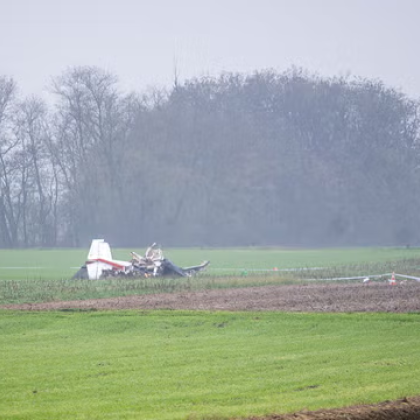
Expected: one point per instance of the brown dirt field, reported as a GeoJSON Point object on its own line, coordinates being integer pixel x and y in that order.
{"type": "Point", "coordinates": [404, 409]}
{"type": "Point", "coordinates": [373, 297]}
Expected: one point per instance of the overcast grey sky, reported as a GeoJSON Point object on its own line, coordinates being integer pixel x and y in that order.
{"type": "Point", "coordinates": [141, 40]}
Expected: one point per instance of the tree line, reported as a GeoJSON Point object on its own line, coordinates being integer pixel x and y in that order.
{"type": "Point", "coordinates": [266, 158]}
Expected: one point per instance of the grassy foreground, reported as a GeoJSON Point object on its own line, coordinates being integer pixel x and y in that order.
{"type": "Point", "coordinates": [200, 365]}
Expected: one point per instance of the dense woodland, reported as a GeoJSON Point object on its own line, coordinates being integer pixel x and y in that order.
{"type": "Point", "coordinates": [267, 158]}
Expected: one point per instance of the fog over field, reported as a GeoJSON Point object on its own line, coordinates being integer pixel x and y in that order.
{"type": "Point", "coordinates": [194, 123]}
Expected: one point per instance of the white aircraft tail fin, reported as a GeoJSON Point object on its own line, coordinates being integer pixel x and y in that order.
{"type": "Point", "coordinates": [99, 249]}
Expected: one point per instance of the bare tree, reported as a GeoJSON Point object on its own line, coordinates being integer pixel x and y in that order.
{"type": "Point", "coordinates": [8, 216]}
{"type": "Point", "coordinates": [40, 188]}
{"type": "Point", "coordinates": [91, 123]}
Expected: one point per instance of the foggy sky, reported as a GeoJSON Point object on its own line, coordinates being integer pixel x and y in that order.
{"type": "Point", "coordinates": [143, 42]}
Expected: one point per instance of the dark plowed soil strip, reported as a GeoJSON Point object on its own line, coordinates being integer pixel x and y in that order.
{"type": "Point", "coordinates": [375, 297]}
{"type": "Point", "coordinates": [404, 409]}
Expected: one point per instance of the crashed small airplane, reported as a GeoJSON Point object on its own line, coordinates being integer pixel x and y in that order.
{"type": "Point", "coordinates": [100, 264]}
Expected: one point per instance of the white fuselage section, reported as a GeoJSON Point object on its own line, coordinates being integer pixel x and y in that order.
{"type": "Point", "coordinates": [100, 259]}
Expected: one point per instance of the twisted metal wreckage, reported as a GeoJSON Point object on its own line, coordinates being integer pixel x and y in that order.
{"type": "Point", "coordinates": [100, 264]}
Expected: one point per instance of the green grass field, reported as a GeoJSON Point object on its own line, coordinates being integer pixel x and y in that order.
{"type": "Point", "coordinates": [200, 365]}
{"type": "Point", "coordinates": [53, 264]}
